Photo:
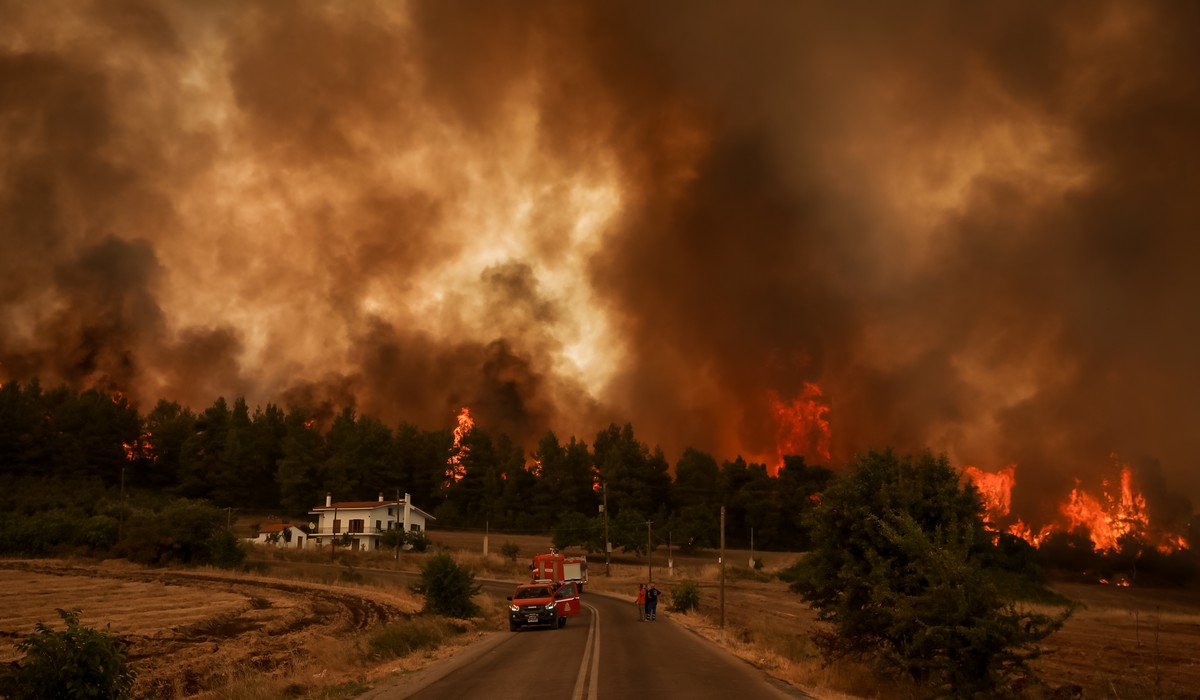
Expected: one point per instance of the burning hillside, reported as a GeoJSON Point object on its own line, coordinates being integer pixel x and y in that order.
{"type": "Point", "coordinates": [1115, 511]}
{"type": "Point", "coordinates": [962, 226]}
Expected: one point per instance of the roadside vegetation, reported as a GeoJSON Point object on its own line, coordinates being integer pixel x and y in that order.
{"type": "Point", "coordinates": [76, 663]}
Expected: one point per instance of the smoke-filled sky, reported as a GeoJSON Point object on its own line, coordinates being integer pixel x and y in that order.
{"type": "Point", "coordinates": [974, 226]}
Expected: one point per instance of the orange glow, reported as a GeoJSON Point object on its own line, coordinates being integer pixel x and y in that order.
{"type": "Point", "coordinates": [802, 425]}
{"type": "Point", "coordinates": [310, 422]}
{"type": "Point", "coordinates": [1106, 517]}
{"type": "Point", "coordinates": [140, 448]}
{"type": "Point", "coordinates": [996, 490]}
{"type": "Point", "coordinates": [455, 470]}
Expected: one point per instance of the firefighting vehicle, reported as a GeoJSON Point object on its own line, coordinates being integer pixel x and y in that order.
{"type": "Point", "coordinates": [545, 604]}
{"type": "Point", "coordinates": [559, 568]}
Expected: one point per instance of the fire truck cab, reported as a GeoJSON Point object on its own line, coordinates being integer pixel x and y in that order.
{"type": "Point", "coordinates": [559, 568]}
{"type": "Point", "coordinates": [542, 605]}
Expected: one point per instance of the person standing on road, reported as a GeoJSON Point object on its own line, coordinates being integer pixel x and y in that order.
{"type": "Point", "coordinates": [641, 602]}
{"type": "Point", "coordinates": [652, 594]}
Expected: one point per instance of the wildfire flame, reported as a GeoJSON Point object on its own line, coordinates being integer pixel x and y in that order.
{"type": "Point", "coordinates": [1106, 517]}
{"type": "Point", "coordinates": [455, 470]}
{"type": "Point", "coordinates": [140, 448]}
{"type": "Point", "coordinates": [996, 490]}
{"type": "Point", "coordinates": [803, 424]}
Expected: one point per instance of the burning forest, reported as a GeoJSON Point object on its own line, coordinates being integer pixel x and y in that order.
{"type": "Point", "coordinates": [765, 230]}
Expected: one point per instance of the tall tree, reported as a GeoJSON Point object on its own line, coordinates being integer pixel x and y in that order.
{"type": "Point", "coordinates": [268, 430]}
{"type": "Point", "coordinates": [635, 478]}
{"type": "Point", "coordinates": [897, 567]}
{"type": "Point", "coordinates": [202, 452]}
{"type": "Point", "coordinates": [166, 428]}
{"type": "Point", "coordinates": [421, 462]}
{"type": "Point", "coordinates": [299, 475]}
{"type": "Point", "coordinates": [565, 479]}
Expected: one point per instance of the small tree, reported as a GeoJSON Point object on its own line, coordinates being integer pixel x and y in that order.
{"type": "Point", "coordinates": [685, 596]}
{"type": "Point", "coordinates": [76, 663]}
{"type": "Point", "coordinates": [416, 541]}
{"type": "Point", "coordinates": [447, 587]}
{"type": "Point", "coordinates": [898, 568]}
{"type": "Point", "coordinates": [510, 551]}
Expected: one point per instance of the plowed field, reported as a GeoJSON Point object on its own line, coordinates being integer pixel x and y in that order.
{"type": "Point", "coordinates": [187, 630]}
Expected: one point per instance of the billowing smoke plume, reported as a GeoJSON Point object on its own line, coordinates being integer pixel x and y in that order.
{"type": "Point", "coordinates": [973, 226]}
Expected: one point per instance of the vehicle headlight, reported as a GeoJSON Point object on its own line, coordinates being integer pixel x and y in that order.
{"type": "Point", "coordinates": [551, 605]}
{"type": "Point", "coordinates": [515, 608]}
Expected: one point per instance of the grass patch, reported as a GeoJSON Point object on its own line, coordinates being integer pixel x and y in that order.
{"type": "Point", "coordinates": [745, 573]}
{"type": "Point", "coordinates": [341, 691]}
{"type": "Point", "coordinates": [399, 640]}
{"type": "Point", "coordinates": [1016, 586]}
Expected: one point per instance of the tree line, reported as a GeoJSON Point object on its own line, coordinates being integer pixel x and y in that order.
{"type": "Point", "coordinates": [273, 460]}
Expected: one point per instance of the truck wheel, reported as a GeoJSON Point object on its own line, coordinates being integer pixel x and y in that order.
{"type": "Point", "coordinates": [562, 622]}
{"type": "Point", "coordinates": [512, 627]}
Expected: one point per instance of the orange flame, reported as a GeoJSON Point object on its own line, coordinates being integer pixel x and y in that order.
{"type": "Point", "coordinates": [996, 490]}
{"type": "Point", "coordinates": [1106, 518]}
{"type": "Point", "coordinates": [140, 448]}
{"type": "Point", "coordinates": [455, 470]}
{"type": "Point", "coordinates": [803, 424]}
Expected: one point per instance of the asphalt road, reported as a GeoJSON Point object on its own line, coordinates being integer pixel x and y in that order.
{"type": "Point", "coordinates": [604, 652]}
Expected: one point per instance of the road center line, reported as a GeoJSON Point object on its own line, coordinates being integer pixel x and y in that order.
{"type": "Point", "coordinates": [588, 652]}
{"type": "Point", "coordinates": [594, 685]}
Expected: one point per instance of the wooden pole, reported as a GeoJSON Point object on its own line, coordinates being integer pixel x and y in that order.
{"type": "Point", "coordinates": [722, 567]}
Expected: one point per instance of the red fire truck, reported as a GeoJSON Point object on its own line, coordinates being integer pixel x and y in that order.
{"type": "Point", "coordinates": [557, 567]}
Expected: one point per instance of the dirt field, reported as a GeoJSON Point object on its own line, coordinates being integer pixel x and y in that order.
{"type": "Point", "coordinates": [192, 631]}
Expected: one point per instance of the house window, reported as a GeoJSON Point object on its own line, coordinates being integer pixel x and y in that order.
{"type": "Point", "coordinates": [337, 526]}
{"type": "Point", "coordinates": [414, 527]}
{"type": "Point", "coordinates": [378, 526]}
{"type": "Point", "coordinates": [357, 526]}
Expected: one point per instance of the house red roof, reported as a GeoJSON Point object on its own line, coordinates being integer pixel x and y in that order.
{"type": "Point", "coordinates": [273, 527]}
{"type": "Point", "coordinates": [359, 504]}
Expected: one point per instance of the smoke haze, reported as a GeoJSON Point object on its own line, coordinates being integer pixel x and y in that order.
{"type": "Point", "coordinates": [975, 227]}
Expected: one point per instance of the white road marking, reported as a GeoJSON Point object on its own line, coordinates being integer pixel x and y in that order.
{"type": "Point", "coordinates": [591, 650]}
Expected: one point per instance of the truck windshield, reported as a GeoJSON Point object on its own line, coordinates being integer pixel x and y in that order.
{"type": "Point", "coordinates": [525, 593]}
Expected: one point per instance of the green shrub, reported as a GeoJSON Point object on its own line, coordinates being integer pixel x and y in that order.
{"type": "Point", "coordinates": [399, 640]}
{"type": "Point", "coordinates": [685, 596]}
{"type": "Point", "coordinates": [183, 532]}
{"type": "Point", "coordinates": [510, 550]}
{"type": "Point", "coordinates": [417, 541]}
{"type": "Point", "coordinates": [447, 587]}
{"type": "Point", "coordinates": [76, 663]}
{"type": "Point", "coordinates": [350, 575]}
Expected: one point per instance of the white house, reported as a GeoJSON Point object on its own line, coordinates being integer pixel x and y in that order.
{"type": "Point", "coordinates": [366, 521]}
{"type": "Point", "coordinates": [281, 535]}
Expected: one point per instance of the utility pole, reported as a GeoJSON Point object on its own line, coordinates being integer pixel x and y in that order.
{"type": "Point", "coordinates": [333, 537]}
{"type": "Point", "coordinates": [121, 513]}
{"type": "Point", "coordinates": [722, 567]}
{"type": "Point", "coordinates": [649, 558]}
{"type": "Point", "coordinates": [399, 527]}
{"type": "Point", "coordinates": [751, 549]}
{"type": "Point", "coordinates": [670, 558]}
{"type": "Point", "coordinates": [607, 544]}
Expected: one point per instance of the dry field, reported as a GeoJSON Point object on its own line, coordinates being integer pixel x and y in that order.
{"type": "Point", "coordinates": [198, 633]}
{"type": "Point", "coordinates": [191, 631]}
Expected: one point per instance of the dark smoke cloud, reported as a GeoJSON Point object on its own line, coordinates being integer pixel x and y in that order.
{"type": "Point", "coordinates": [972, 226]}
